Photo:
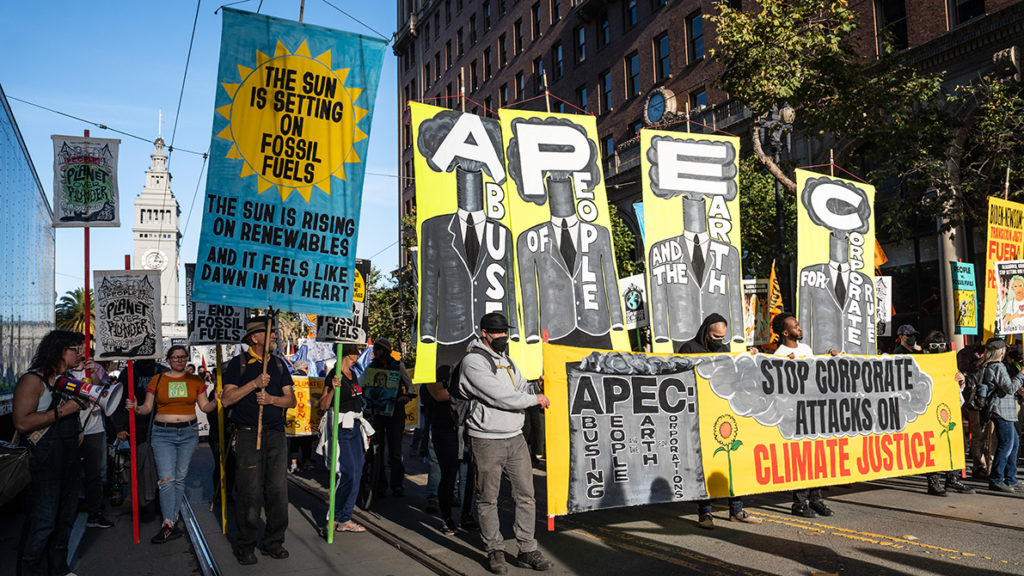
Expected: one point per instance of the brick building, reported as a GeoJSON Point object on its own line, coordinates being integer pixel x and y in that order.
{"type": "Point", "coordinates": [633, 63]}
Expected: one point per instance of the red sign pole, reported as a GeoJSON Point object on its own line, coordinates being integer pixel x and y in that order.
{"type": "Point", "coordinates": [88, 303]}
{"type": "Point", "coordinates": [131, 435]}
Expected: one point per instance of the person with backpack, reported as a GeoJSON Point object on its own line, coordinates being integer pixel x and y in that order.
{"type": "Point", "coordinates": [940, 483]}
{"type": "Point", "coordinates": [387, 404]}
{"type": "Point", "coordinates": [499, 396]}
{"type": "Point", "coordinates": [444, 433]}
{"type": "Point", "coordinates": [983, 437]}
{"type": "Point", "coordinates": [999, 391]}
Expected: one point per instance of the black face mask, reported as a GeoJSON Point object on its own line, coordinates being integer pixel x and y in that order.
{"type": "Point", "coordinates": [715, 344]}
{"type": "Point", "coordinates": [911, 341]}
{"type": "Point", "coordinates": [499, 344]}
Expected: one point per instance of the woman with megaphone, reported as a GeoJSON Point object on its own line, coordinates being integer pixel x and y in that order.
{"type": "Point", "coordinates": [47, 422]}
{"type": "Point", "coordinates": [175, 434]}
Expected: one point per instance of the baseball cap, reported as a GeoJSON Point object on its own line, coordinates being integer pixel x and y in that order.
{"type": "Point", "coordinates": [494, 322]}
{"type": "Point", "coordinates": [906, 329]}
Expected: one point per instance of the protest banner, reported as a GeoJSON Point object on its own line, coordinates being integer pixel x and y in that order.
{"type": "Point", "coordinates": [211, 323]}
{"type": "Point", "coordinates": [628, 429]}
{"type": "Point", "coordinates": [128, 323]}
{"type": "Point", "coordinates": [835, 260]}
{"type": "Point", "coordinates": [965, 298]}
{"type": "Point", "coordinates": [883, 305]}
{"type": "Point", "coordinates": [460, 173]}
{"type": "Point", "coordinates": [692, 230]}
{"type": "Point", "coordinates": [1009, 297]}
{"type": "Point", "coordinates": [568, 288]}
{"type": "Point", "coordinates": [755, 311]}
{"type": "Point", "coordinates": [304, 418]}
{"type": "Point", "coordinates": [1005, 234]}
{"type": "Point", "coordinates": [380, 388]}
{"type": "Point", "coordinates": [281, 213]}
{"type": "Point", "coordinates": [633, 293]}
{"type": "Point", "coordinates": [85, 182]}
{"type": "Point", "coordinates": [355, 329]}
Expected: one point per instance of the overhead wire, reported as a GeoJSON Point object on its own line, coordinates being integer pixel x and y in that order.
{"type": "Point", "coordinates": [364, 24]}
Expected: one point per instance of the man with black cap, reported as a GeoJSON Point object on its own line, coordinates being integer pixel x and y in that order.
{"type": "Point", "coordinates": [499, 396]}
{"type": "Point", "coordinates": [388, 411]}
{"type": "Point", "coordinates": [907, 337]}
{"type": "Point", "coordinates": [259, 473]}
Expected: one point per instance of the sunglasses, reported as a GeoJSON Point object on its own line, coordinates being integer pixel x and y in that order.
{"type": "Point", "coordinates": [79, 349]}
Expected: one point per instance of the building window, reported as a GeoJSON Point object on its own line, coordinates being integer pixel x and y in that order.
{"type": "Point", "coordinates": [487, 63]}
{"type": "Point", "coordinates": [501, 8]}
{"type": "Point", "coordinates": [437, 66]}
{"type": "Point", "coordinates": [502, 50]}
{"type": "Point", "coordinates": [604, 30]}
{"type": "Point", "coordinates": [517, 39]}
{"type": "Point", "coordinates": [487, 104]}
{"type": "Point", "coordinates": [472, 30]}
{"type": "Point", "coordinates": [634, 128]}
{"type": "Point", "coordinates": [581, 44]}
{"type": "Point", "coordinates": [581, 98]}
{"type": "Point", "coordinates": [560, 107]}
{"type": "Point", "coordinates": [632, 75]}
{"type": "Point", "coordinates": [535, 12]}
{"type": "Point", "coordinates": [448, 95]}
{"type": "Point", "coordinates": [556, 61]}
{"type": "Point", "coordinates": [695, 32]}
{"type": "Point", "coordinates": [892, 19]}
{"type": "Point", "coordinates": [520, 86]}
{"type": "Point", "coordinates": [609, 147]}
{"type": "Point", "coordinates": [655, 4]}
{"type": "Point", "coordinates": [447, 12]}
{"type": "Point", "coordinates": [448, 55]}
{"type": "Point", "coordinates": [503, 95]}
{"type": "Point", "coordinates": [458, 6]}
{"type": "Point", "coordinates": [426, 76]}
{"type": "Point", "coordinates": [473, 81]}
{"type": "Point", "coordinates": [698, 99]}
{"type": "Point", "coordinates": [538, 74]}
{"type": "Point", "coordinates": [460, 47]}
{"type": "Point", "coordinates": [426, 33]}
{"type": "Point", "coordinates": [556, 10]}
{"type": "Point", "coordinates": [437, 24]}
{"type": "Point", "coordinates": [629, 16]}
{"type": "Point", "coordinates": [662, 61]}
{"type": "Point", "coordinates": [487, 15]}
{"type": "Point", "coordinates": [605, 85]}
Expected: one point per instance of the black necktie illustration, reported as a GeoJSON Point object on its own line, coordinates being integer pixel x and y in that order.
{"type": "Point", "coordinates": [472, 244]}
{"type": "Point", "coordinates": [840, 287]}
{"type": "Point", "coordinates": [698, 259]}
{"type": "Point", "coordinates": [568, 250]}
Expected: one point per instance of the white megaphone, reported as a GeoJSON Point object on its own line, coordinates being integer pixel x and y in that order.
{"type": "Point", "coordinates": [107, 397]}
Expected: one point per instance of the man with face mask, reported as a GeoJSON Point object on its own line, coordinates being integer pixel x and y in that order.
{"type": "Point", "coordinates": [500, 395]}
{"type": "Point", "coordinates": [907, 337]}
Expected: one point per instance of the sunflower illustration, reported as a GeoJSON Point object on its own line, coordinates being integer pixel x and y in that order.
{"type": "Point", "coordinates": [726, 433]}
{"type": "Point", "coordinates": [945, 418]}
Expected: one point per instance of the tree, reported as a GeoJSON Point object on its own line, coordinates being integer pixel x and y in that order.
{"type": "Point", "coordinates": [391, 306]}
{"type": "Point", "coordinates": [757, 220]}
{"type": "Point", "coordinates": [624, 246]}
{"type": "Point", "coordinates": [70, 311]}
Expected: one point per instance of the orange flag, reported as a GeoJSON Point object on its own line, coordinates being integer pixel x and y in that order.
{"type": "Point", "coordinates": [774, 301]}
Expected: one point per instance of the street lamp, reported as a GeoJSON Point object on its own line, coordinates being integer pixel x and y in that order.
{"type": "Point", "coordinates": [776, 129]}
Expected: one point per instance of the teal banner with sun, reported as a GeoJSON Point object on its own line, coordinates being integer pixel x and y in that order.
{"type": "Point", "coordinates": [287, 157]}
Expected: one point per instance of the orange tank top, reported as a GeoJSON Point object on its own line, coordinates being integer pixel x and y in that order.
{"type": "Point", "coordinates": [177, 396]}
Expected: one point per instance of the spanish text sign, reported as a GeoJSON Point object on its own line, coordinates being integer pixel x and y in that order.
{"type": "Point", "coordinates": [1005, 235]}
{"type": "Point", "coordinates": [627, 429]}
{"type": "Point", "coordinates": [281, 213]}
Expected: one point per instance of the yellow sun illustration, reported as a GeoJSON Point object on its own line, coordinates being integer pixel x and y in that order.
{"type": "Point", "coordinates": [292, 121]}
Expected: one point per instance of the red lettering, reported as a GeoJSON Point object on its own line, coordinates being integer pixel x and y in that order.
{"type": "Point", "coordinates": [843, 457]}
{"type": "Point", "coordinates": [760, 468]}
{"type": "Point", "coordinates": [929, 438]}
{"type": "Point", "coordinates": [775, 467]}
{"type": "Point", "coordinates": [832, 442]}
{"type": "Point", "coordinates": [820, 464]}
{"type": "Point", "coordinates": [887, 449]}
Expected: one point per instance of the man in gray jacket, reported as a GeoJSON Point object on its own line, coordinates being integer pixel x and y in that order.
{"type": "Point", "coordinates": [499, 396]}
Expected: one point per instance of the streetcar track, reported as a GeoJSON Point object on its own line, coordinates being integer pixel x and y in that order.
{"type": "Point", "coordinates": [197, 539]}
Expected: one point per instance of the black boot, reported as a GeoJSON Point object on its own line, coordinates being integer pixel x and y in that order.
{"type": "Point", "coordinates": [953, 483]}
{"type": "Point", "coordinates": [935, 487]}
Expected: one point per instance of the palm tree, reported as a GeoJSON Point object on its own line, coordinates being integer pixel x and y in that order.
{"type": "Point", "coordinates": [71, 311]}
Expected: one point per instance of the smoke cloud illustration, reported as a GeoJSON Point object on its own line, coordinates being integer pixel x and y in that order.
{"type": "Point", "coordinates": [698, 168]}
{"type": "Point", "coordinates": [514, 161]}
{"type": "Point", "coordinates": [626, 363]}
{"type": "Point", "coordinates": [432, 133]}
{"type": "Point", "coordinates": [742, 381]}
{"type": "Point", "coordinates": [836, 205]}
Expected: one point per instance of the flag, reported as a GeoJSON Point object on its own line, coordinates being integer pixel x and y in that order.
{"type": "Point", "coordinates": [774, 302]}
{"type": "Point", "coordinates": [880, 257]}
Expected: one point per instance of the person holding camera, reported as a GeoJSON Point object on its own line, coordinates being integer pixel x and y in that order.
{"type": "Point", "coordinates": [174, 394]}
{"type": "Point", "coordinates": [390, 420]}
{"type": "Point", "coordinates": [48, 423]}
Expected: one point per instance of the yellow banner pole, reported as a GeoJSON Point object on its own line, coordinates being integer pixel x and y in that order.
{"type": "Point", "coordinates": [223, 450]}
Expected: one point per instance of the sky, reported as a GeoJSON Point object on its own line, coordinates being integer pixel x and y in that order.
{"type": "Point", "coordinates": [121, 62]}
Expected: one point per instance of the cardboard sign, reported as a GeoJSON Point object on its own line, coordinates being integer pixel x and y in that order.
{"type": "Point", "coordinates": [212, 323]}
{"type": "Point", "coordinates": [128, 323]}
{"type": "Point", "coordinates": [965, 298]}
{"type": "Point", "coordinates": [354, 330]}
{"type": "Point", "coordinates": [85, 182]}
{"type": "Point", "coordinates": [1005, 235]}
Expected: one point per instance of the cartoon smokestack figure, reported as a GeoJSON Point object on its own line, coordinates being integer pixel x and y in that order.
{"type": "Point", "coordinates": [466, 266]}
{"type": "Point", "coordinates": [698, 271]}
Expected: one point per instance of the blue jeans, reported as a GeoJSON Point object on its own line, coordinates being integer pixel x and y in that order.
{"type": "Point", "coordinates": [172, 450]}
{"type": "Point", "coordinates": [56, 474]}
{"type": "Point", "coordinates": [1004, 466]}
{"type": "Point", "coordinates": [735, 506]}
{"type": "Point", "coordinates": [350, 470]}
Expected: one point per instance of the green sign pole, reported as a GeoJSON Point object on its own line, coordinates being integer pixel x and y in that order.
{"type": "Point", "coordinates": [334, 449]}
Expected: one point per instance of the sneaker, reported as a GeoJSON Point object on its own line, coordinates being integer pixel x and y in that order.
{"type": "Point", "coordinates": [936, 490]}
{"type": "Point", "coordinates": [706, 521]}
{"type": "Point", "coordinates": [496, 562]}
{"type": "Point", "coordinates": [432, 507]}
{"type": "Point", "coordinates": [744, 517]}
{"type": "Point", "coordinates": [246, 558]}
{"type": "Point", "coordinates": [801, 509]}
{"type": "Point", "coordinates": [98, 521]}
{"type": "Point", "coordinates": [821, 508]}
{"type": "Point", "coordinates": [166, 534]}
{"type": "Point", "coordinates": [953, 483]}
{"type": "Point", "coordinates": [278, 553]}
{"type": "Point", "coordinates": [448, 527]}
{"type": "Point", "coordinates": [292, 468]}
{"type": "Point", "coordinates": [1001, 488]}
{"type": "Point", "coordinates": [535, 560]}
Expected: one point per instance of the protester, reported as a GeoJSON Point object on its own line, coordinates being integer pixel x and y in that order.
{"type": "Point", "coordinates": [710, 338]}
{"type": "Point", "coordinates": [906, 340]}
{"type": "Point", "coordinates": [93, 446]}
{"type": "Point", "coordinates": [353, 436]}
{"type": "Point", "coordinates": [389, 416]}
{"type": "Point", "coordinates": [426, 449]}
{"type": "Point", "coordinates": [190, 369]}
{"type": "Point", "coordinates": [999, 391]}
{"type": "Point", "coordinates": [939, 483]}
{"type": "Point", "coordinates": [48, 424]}
{"type": "Point", "coordinates": [145, 465]}
{"type": "Point", "coordinates": [259, 474]}
{"type": "Point", "coordinates": [982, 434]}
{"type": "Point", "coordinates": [300, 446]}
{"type": "Point", "coordinates": [807, 502]}
{"type": "Point", "coordinates": [213, 439]}
{"type": "Point", "coordinates": [445, 435]}
{"type": "Point", "coordinates": [174, 395]}
{"type": "Point", "coordinates": [500, 395]}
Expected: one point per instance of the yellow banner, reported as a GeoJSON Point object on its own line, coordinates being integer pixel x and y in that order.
{"type": "Point", "coordinates": [568, 287]}
{"type": "Point", "coordinates": [304, 418]}
{"type": "Point", "coordinates": [628, 429]}
{"type": "Point", "coordinates": [412, 409]}
{"type": "Point", "coordinates": [1005, 234]}
{"type": "Point", "coordinates": [835, 262]}
{"type": "Point", "coordinates": [466, 249]}
{"type": "Point", "coordinates": [692, 226]}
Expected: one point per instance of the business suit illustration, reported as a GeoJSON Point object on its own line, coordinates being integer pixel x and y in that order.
{"type": "Point", "coordinates": [567, 274]}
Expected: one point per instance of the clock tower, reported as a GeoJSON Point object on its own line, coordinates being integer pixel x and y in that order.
{"type": "Point", "coordinates": [157, 239]}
